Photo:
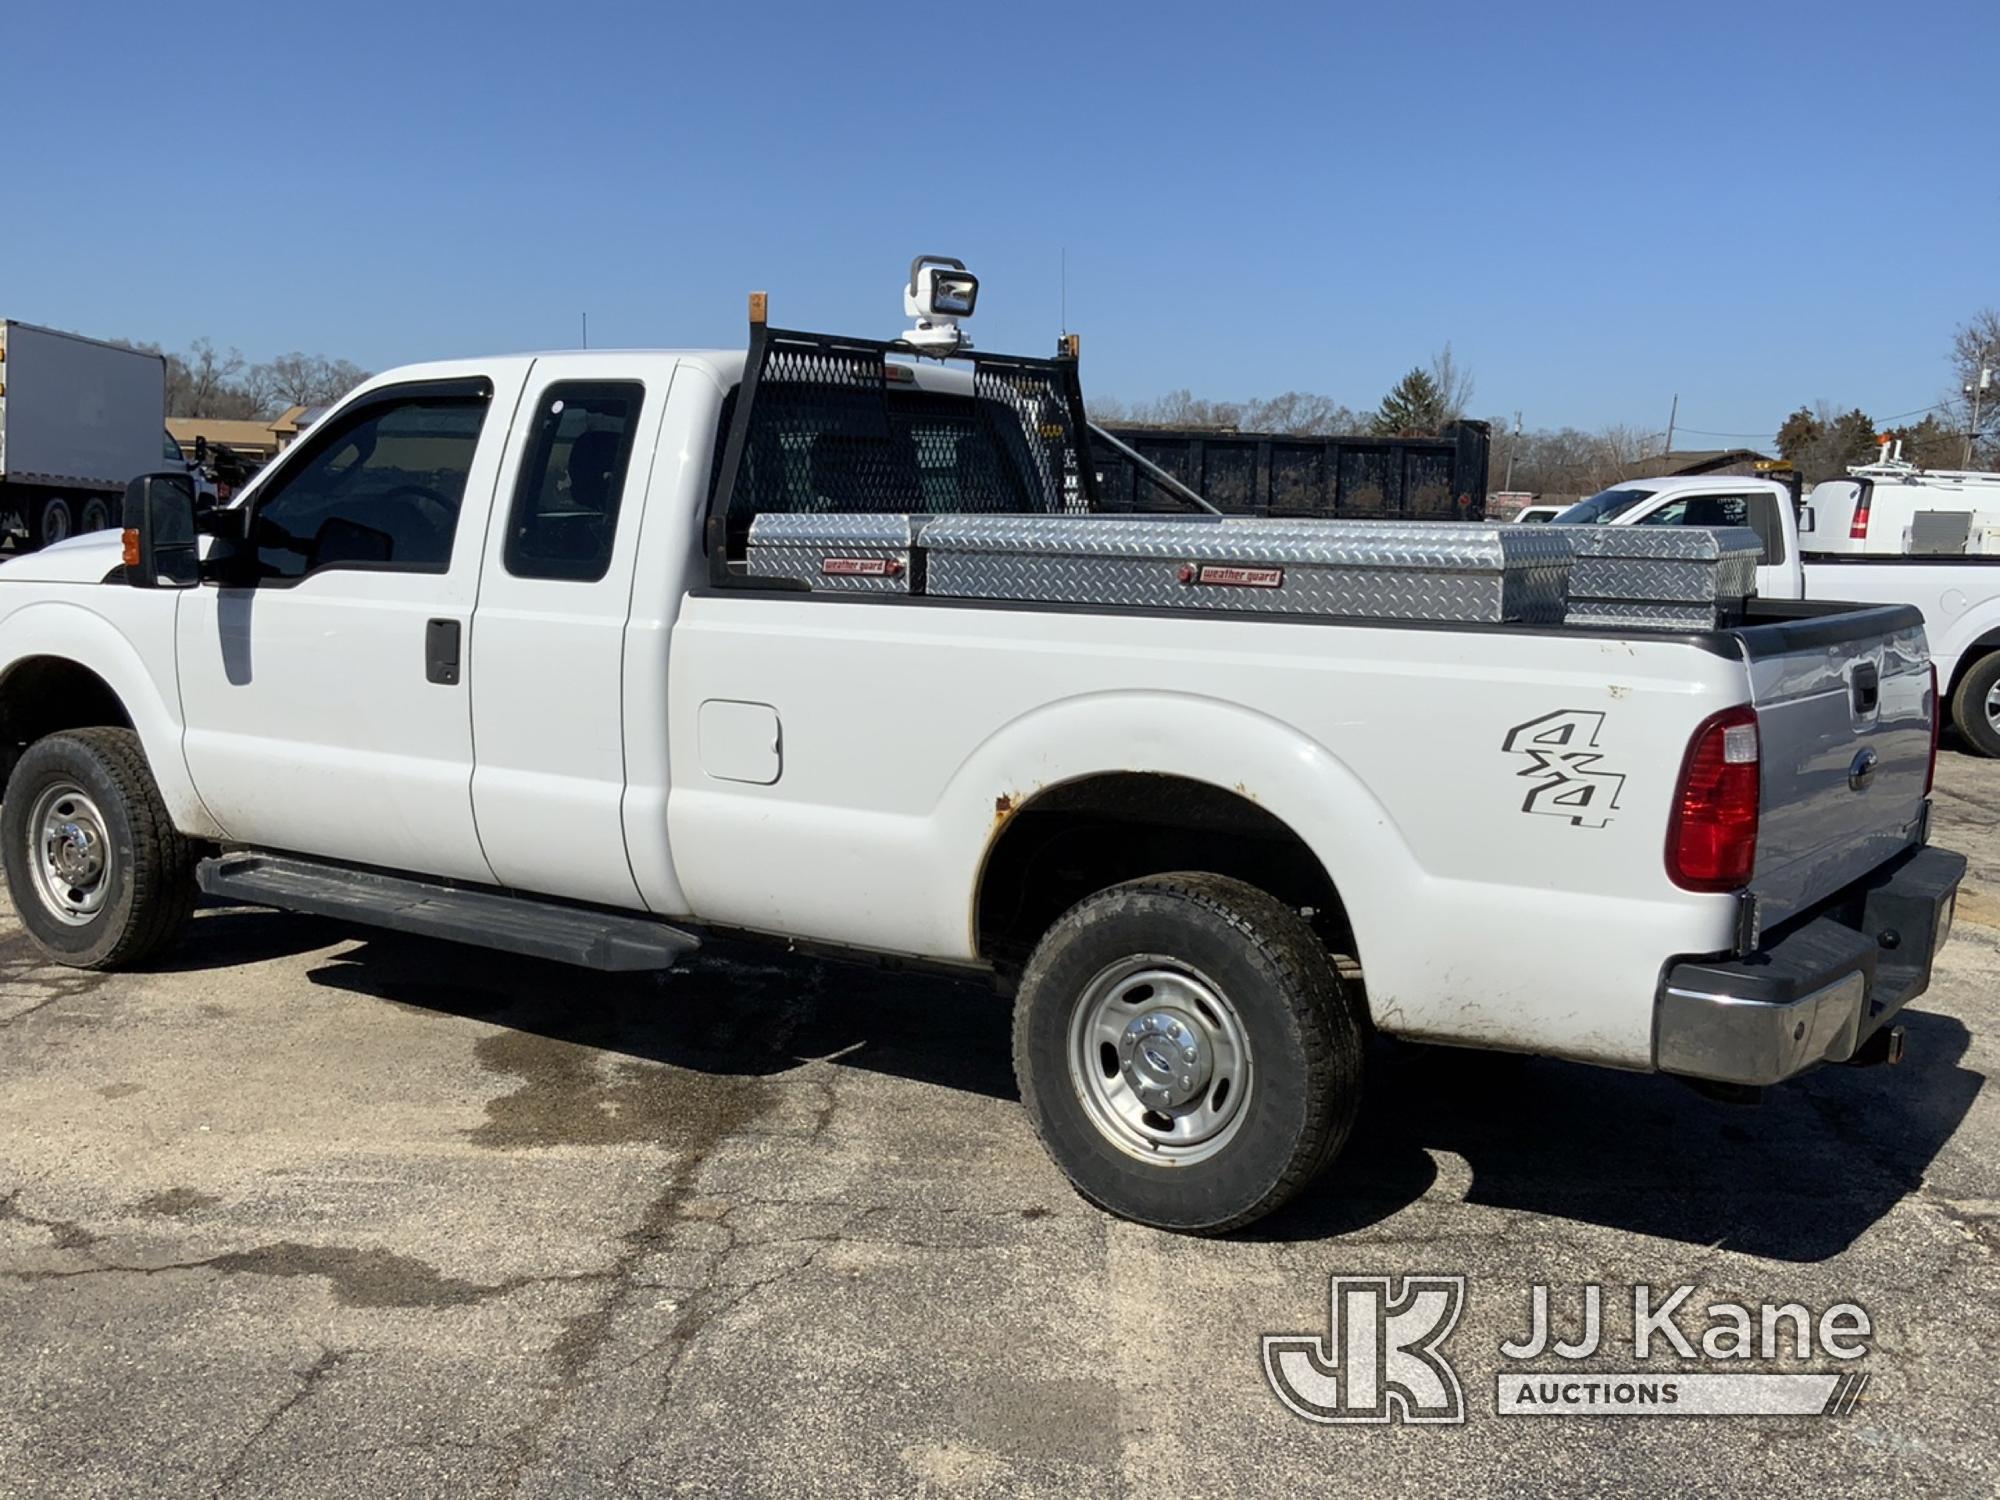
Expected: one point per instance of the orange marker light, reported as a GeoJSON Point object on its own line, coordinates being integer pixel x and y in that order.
{"type": "Point", "coordinates": [131, 547]}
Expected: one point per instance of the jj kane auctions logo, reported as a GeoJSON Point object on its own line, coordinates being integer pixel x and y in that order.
{"type": "Point", "coordinates": [1382, 1357]}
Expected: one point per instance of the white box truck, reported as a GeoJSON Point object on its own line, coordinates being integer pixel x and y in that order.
{"type": "Point", "coordinates": [78, 418]}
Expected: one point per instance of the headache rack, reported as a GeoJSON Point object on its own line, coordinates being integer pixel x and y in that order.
{"type": "Point", "coordinates": [843, 471]}
{"type": "Point", "coordinates": [824, 424]}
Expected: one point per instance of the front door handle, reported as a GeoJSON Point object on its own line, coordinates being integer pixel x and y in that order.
{"type": "Point", "coordinates": [441, 651]}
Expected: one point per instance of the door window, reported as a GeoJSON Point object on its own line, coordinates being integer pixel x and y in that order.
{"type": "Point", "coordinates": [1758, 512]}
{"type": "Point", "coordinates": [565, 514]}
{"type": "Point", "coordinates": [380, 489]}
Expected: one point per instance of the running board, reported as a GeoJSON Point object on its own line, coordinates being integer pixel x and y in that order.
{"type": "Point", "coordinates": [527, 925]}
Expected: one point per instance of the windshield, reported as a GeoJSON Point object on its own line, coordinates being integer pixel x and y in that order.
{"type": "Point", "coordinates": [1599, 508]}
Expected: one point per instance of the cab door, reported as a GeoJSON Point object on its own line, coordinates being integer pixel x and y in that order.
{"type": "Point", "coordinates": [326, 691]}
{"type": "Point", "coordinates": [1777, 573]}
{"type": "Point", "coordinates": [548, 635]}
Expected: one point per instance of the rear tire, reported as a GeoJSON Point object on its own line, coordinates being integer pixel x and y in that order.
{"type": "Point", "coordinates": [99, 875]}
{"type": "Point", "coordinates": [1187, 1052]}
{"type": "Point", "coordinates": [52, 520]}
{"type": "Point", "coordinates": [94, 516]}
{"type": "Point", "coordinates": [1975, 705]}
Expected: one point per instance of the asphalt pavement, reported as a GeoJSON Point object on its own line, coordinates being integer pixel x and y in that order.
{"type": "Point", "coordinates": [311, 1212]}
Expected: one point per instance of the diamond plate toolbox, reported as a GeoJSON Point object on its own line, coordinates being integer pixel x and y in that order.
{"type": "Point", "coordinates": [1665, 577]}
{"type": "Point", "coordinates": [1462, 571]}
{"type": "Point", "coordinates": [845, 551]}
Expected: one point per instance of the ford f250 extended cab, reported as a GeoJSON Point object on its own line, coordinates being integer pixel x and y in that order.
{"type": "Point", "coordinates": [487, 656]}
{"type": "Point", "coordinates": [1957, 595]}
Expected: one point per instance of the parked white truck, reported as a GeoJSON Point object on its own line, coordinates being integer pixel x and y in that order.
{"type": "Point", "coordinates": [78, 419]}
{"type": "Point", "coordinates": [486, 656]}
{"type": "Point", "coordinates": [1958, 596]}
{"type": "Point", "coordinates": [1890, 507]}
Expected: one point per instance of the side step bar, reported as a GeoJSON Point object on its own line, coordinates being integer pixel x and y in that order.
{"type": "Point", "coordinates": [527, 925]}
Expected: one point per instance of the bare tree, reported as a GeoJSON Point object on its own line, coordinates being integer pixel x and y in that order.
{"type": "Point", "coordinates": [1294, 412]}
{"type": "Point", "coordinates": [1617, 453]}
{"type": "Point", "coordinates": [207, 382]}
{"type": "Point", "coordinates": [1454, 384]}
{"type": "Point", "coordinates": [1302, 413]}
{"type": "Point", "coordinates": [1974, 346]}
{"type": "Point", "coordinates": [208, 386]}
{"type": "Point", "coordinates": [298, 379]}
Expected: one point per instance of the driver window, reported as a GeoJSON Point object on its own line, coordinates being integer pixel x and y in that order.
{"type": "Point", "coordinates": [1721, 510]}
{"type": "Point", "coordinates": [380, 490]}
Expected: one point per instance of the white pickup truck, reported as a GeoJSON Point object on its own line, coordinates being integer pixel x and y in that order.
{"type": "Point", "coordinates": [1958, 596]}
{"type": "Point", "coordinates": [481, 657]}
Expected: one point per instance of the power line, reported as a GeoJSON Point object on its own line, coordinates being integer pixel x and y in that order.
{"type": "Point", "coordinates": [1878, 421]}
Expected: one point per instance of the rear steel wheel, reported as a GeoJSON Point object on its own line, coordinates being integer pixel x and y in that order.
{"type": "Point", "coordinates": [1187, 1050]}
{"type": "Point", "coordinates": [1160, 1059]}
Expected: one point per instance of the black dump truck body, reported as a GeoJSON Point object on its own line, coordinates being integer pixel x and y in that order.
{"type": "Point", "coordinates": [1269, 474]}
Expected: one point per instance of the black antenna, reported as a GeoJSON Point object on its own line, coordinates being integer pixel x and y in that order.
{"type": "Point", "coordinates": [1064, 319]}
{"type": "Point", "coordinates": [586, 330]}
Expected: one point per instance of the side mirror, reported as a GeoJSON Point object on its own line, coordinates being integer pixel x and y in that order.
{"type": "Point", "coordinates": [159, 533]}
{"type": "Point", "coordinates": [201, 450]}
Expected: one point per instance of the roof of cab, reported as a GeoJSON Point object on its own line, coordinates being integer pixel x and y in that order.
{"type": "Point", "coordinates": [723, 366]}
{"type": "Point", "coordinates": [1708, 483]}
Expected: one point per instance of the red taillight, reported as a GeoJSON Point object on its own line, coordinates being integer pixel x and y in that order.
{"type": "Point", "coordinates": [1712, 833]}
{"type": "Point", "coordinates": [1857, 529]}
{"type": "Point", "coordinates": [1937, 722]}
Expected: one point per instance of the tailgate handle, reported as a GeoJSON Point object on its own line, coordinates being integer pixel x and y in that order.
{"type": "Point", "coordinates": [1867, 687]}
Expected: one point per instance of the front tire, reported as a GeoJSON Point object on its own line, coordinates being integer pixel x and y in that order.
{"type": "Point", "coordinates": [99, 875]}
{"type": "Point", "coordinates": [1187, 1051]}
{"type": "Point", "coordinates": [1975, 705]}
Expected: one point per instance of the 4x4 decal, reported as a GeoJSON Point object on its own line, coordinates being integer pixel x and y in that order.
{"type": "Point", "coordinates": [1563, 763]}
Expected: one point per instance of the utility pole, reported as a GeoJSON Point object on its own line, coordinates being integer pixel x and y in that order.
{"type": "Point", "coordinates": [1513, 443]}
{"type": "Point", "coordinates": [1672, 417]}
{"type": "Point", "coordinates": [1981, 384]}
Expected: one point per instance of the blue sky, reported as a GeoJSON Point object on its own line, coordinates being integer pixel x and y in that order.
{"type": "Point", "coordinates": [1599, 205]}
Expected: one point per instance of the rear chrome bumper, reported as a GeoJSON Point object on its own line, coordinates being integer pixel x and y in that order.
{"type": "Point", "coordinates": [1817, 992]}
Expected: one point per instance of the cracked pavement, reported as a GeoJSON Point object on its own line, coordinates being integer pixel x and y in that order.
{"type": "Point", "coordinates": [312, 1212]}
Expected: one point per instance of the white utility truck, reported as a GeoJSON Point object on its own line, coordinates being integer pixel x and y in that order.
{"type": "Point", "coordinates": [585, 655]}
{"type": "Point", "coordinates": [1958, 595]}
{"type": "Point", "coordinates": [78, 419]}
{"type": "Point", "coordinates": [1890, 508]}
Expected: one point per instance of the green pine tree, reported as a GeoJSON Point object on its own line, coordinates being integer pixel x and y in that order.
{"type": "Point", "coordinates": [1414, 407]}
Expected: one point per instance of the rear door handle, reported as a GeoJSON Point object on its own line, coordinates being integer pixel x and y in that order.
{"type": "Point", "coordinates": [441, 639]}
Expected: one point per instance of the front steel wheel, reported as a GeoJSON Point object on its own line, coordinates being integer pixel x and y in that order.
{"type": "Point", "coordinates": [72, 861]}
{"type": "Point", "coordinates": [99, 875]}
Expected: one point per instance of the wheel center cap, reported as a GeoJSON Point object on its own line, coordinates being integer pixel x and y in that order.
{"type": "Point", "coordinates": [1165, 1058]}
{"type": "Point", "coordinates": [77, 858]}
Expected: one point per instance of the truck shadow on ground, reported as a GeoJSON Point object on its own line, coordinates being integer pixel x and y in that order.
{"type": "Point", "coordinates": [1798, 1177]}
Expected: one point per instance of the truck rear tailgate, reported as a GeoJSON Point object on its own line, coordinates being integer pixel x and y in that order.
{"type": "Point", "coordinates": [1843, 700]}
